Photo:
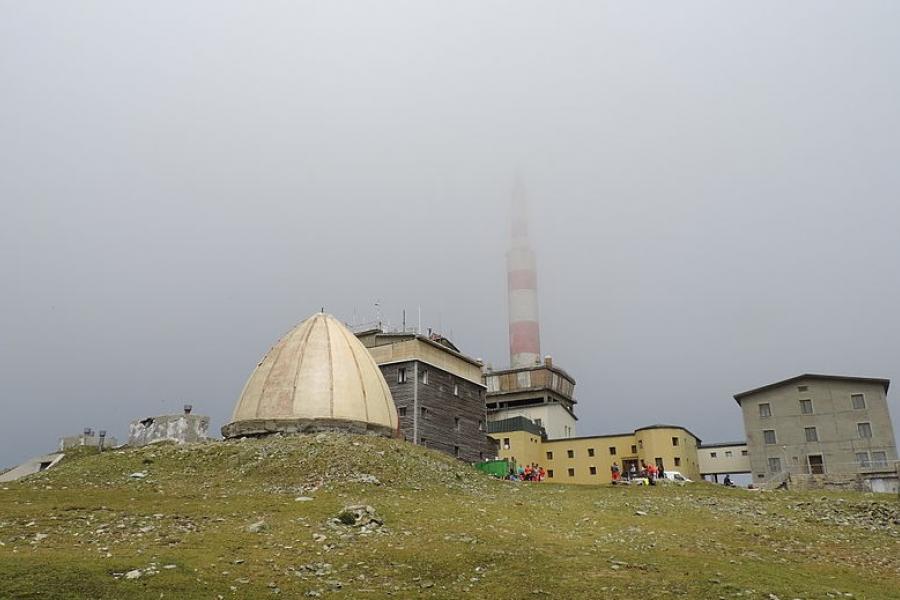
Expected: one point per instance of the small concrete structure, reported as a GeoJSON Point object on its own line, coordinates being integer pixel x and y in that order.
{"type": "Point", "coordinates": [724, 458]}
{"type": "Point", "coordinates": [89, 438]}
{"type": "Point", "coordinates": [181, 429]}
{"type": "Point", "coordinates": [32, 466]}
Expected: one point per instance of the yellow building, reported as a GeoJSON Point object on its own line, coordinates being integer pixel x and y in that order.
{"type": "Point", "coordinates": [589, 460]}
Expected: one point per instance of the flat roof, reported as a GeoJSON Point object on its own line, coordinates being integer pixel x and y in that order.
{"type": "Point", "coordinates": [721, 445]}
{"type": "Point", "coordinates": [884, 382]}
{"type": "Point", "coordinates": [536, 367]}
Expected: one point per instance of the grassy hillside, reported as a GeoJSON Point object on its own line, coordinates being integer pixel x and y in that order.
{"type": "Point", "coordinates": [256, 519]}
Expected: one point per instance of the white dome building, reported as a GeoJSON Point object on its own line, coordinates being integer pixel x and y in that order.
{"type": "Point", "coordinates": [318, 377]}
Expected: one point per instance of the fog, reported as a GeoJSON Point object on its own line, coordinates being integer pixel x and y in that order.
{"type": "Point", "coordinates": [714, 195]}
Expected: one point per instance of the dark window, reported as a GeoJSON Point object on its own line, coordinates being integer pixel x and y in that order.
{"type": "Point", "coordinates": [550, 473]}
{"type": "Point", "coordinates": [456, 423]}
{"type": "Point", "coordinates": [806, 407]}
{"type": "Point", "coordinates": [571, 472]}
{"type": "Point", "coordinates": [634, 449]}
{"type": "Point", "coordinates": [674, 441]}
{"type": "Point", "coordinates": [745, 452]}
{"type": "Point", "coordinates": [816, 464]}
{"type": "Point", "coordinates": [879, 459]}
{"type": "Point", "coordinates": [423, 442]}
{"type": "Point", "coordinates": [729, 454]}
{"type": "Point", "coordinates": [677, 461]}
{"type": "Point", "coordinates": [863, 459]}
{"type": "Point", "coordinates": [803, 388]}
{"type": "Point", "coordinates": [424, 376]}
{"type": "Point", "coordinates": [765, 410]}
{"type": "Point", "coordinates": [769, 436]}
{"type": "Point", "coordinates": [506, 443]}
{"type": "Point", "coordinates": [456, 451]}
{"type": "Point", "coordinates": [859, 401]}
{"type": "Point", "coordinates": [571, 453]}
{"type": "Point", "coordinates": [713, 455]}
{"type": "Point", "coordinates": [480, 425]}
{"type": "Point", "coordinates": [641, 444]}
{"type": "Point", "coordinates": [811, 434]}
{"type": "Point", "coordinates": [590, 452]}
{"type": "Point", "coordinates": [593, 470]}
{"type": "Point", "coordinates": [423, 411]}
{"type": "Point", "coordinates": [402, 411]}
{"type": "Point", "coordinates": [401, 375]}
{"type": "Point", "coordinates": [775, 465]}
{"type": "Point", "coordinates": [549, 456]}
{"type": "Point", "coordinates": [864, 429]}
{"type": "Point", "coordinates": [612, 450]}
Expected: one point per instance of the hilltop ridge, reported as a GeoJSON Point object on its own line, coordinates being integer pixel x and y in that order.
{"type": "Point", "coordinates": [342, 516]}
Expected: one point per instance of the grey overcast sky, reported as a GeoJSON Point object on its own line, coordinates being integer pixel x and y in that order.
{"type": "Point", "coordinates": [715, 189]}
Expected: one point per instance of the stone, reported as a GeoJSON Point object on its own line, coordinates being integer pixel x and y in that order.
{"type": "Point", "coordinates": [257, 527]}
{"type": "Point", "coordinates": [136, 574]}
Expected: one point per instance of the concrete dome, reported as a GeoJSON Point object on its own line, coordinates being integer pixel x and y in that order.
{"type": "Point", "coordinates": [318, 377]}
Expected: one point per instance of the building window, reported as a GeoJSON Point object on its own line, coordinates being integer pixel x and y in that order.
{"type": "Point", "coordinates": [816, 464]}
{"type": "Point", "coordinates": [674, 441]}
{"type": "Point", "coordinates": [612, 450]}
{"type": "Point", "coordinates": [423, 411]}
{"type": "Point", "coordinates": [456, 451]}
{"type": "Point", "coordinates": [712, 455]}
{"type": "Point", "coordinates": [765, 410]}
{"type": "Point", "coordinates": [865, 430]}
{"type": "Point", "coordinates": [633, 449]}
{"type": "Point", "coordinates": [769, 436]}
{"type": "Point", "coordinates": [811, 434]}
{"type": "Point", "coordinates": [862, 458]}
{"type": "Point", "coordinates": [456, 389]}
{"type": "Point", "coordinates": [806, 407]}
{"type": "Point", "coordinates": [571, 453]}
{"type": "Point", "coordinates": [593, 470]}
{"type": "Point", "coordinates": [677, 461]}
{"type": "Point", "coordinates": [549, 456]}
{"type": "Point", "coordinates": [480, 425]}
{"type": "Point", "coordinates": [538, 422]}
{"type": "Point", "coordinates": [402, 411]}
{"type": "Point", "coordinates": [571, 472]}
{"type": "Point", "coordinates": [774, 465]}
{"type": "Point", "coordinates": [456, 423]}
{"type": "Point", "coordinates": [423, 442]}
{"type": "Point", "coordinates": [424, 376]}
{"type": "Point", "coordinates": [745, 453]}
{"type": "Point", "coordinates": [590, 452]}
{"type": "Point", "coordinates": [506, 443]}
{"type": "Point", "coordinates": [641, 444]}
{"type": "Point", "coordinates": [859, 401]}
{"type": "Point", "coordinates": [549, 473]}
{"type": "Point", "coordinates": [401, 375]}
{"type": "Point", "coordinates": [803, 388]}
{"type": "Point", "coordinates": [728, 454]}
{"type": "Point", "coordinates": [481, 456]}
{"type": "Point", "coordinates": [879, 459]}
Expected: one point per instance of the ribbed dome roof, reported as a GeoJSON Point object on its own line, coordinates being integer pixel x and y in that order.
{"type": "Point", "coordinates": [318, 376]}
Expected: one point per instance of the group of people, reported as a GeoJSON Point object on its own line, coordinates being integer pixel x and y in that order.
{"type": "Point", "coordinates": [649, 473]}
{"type": "Point", "coordinates": [532, 472]}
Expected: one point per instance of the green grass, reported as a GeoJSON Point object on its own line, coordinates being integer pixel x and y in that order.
{"type": "Point", "coordinates": [449, 532]}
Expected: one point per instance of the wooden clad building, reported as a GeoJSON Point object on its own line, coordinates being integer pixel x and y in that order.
{"type": "Point", "coordinates": [439, 392]}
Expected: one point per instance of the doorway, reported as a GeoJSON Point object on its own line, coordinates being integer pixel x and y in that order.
{"type": "Point", "coordinates": [816, 464]}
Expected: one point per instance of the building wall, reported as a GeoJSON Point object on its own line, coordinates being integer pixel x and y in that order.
{"type": "Point", "coordinates": [181, 429]}
{"type": "Point", "coordinates": [556, 421]}
{"type": "Point", "coordinates": [834, 419]}
{"type": "Point", "coordinates": [417, 349]}
{"type": "Point", "coordinates": [592, 457]}
{"type": "Point", "coordinates": [724, 459]}
{"type": "Point", "coordinates": [432, 415]}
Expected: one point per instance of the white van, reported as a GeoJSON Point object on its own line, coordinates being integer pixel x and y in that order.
{"type": "Point", "coordinates": [677, 477]}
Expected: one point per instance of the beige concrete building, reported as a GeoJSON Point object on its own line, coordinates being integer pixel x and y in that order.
{"type": "Point", "coordinates": [724, 458]}
{"type": "Point", "coordinates": [588, 460]}
{"type": "Point", "coordinates": [819, 425]}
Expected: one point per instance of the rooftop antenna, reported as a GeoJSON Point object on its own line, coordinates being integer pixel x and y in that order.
{"type": "Point", "coordinates": [404, 320]}
{"type": "Point", "coordinates": [419, 328]}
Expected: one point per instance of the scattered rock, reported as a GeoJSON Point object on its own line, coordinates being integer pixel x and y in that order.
{"type": "Point", "coordinates": [257, 527]}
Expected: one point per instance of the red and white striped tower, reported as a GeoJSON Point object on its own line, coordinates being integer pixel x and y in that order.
{"type": "Point", "coordinates": [524, 326]}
